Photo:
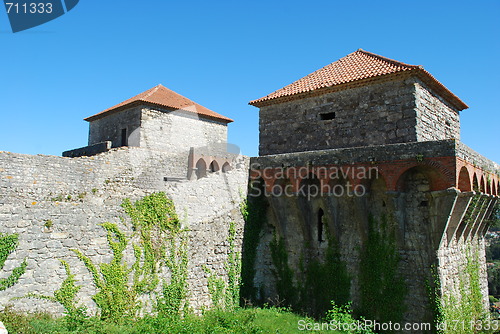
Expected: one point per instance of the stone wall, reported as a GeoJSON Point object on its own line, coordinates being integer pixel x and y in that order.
{"type": "Point", "coordinates": [436, 119]}
{"type": "Point", "coordinates": [110, 128]}
{"type": "Point", "coordinates": [415, 193]}
{"type": "Point", "coordinates": [77, 194]}
{"type": "Point", "coordinates": [178, 131]}
{"type": "Point", "coordinates": [398, 111]}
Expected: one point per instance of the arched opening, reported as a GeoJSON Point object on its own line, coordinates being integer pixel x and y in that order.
{"type": "Point", "coordinates": [226, 167]}
{"type": "Point", "coordinates": [321, 215]}
{"type": "Point", "coordinates": [482, 185]}
{"type": "Point", "coordinates": [214, 167]}
{"type": "Point", "coordinates": [310, 186]}
{"type": "Point", "coordinates": [488, 187]}
{"type": "Point", "coordinates": [281, 187]}
{"type": "Point", "coordinates": [464, 180]}
{"type": "Point", "coordinates": [201, 169]}
{"type": "Point", "coordinates": [338, 186]}
{"type": "Point", "coordinates": [427, 178]}
{"type": "Point", "coordinates": [475, 183]}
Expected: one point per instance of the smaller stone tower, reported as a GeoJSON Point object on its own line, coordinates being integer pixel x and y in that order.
{"type": "Point", "coordinates": [157, 119]}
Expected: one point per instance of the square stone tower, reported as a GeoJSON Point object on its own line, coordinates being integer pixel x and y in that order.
{"type": "Point", "coordinates": [369, 196]}
{"type": "Point", "coordinates": [362, 99]}
{"type": "Point", "coordinates": [158, 119]}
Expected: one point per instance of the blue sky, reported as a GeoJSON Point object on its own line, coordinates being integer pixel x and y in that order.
{"type": "Point", "coordinates": [223, 54]}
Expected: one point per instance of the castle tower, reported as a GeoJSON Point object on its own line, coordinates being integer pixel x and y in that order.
{"type": "Point", "coordinates": [157, 119]}
{"type": "Point", "coordinates": [362, 99]}
{"type": "Point", "coordinates": [368, 193]}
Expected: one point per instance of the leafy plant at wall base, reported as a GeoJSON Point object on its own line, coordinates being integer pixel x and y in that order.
{"type": "Point", "coordinates": [382, 289]}
{"type": "Point", "coordinates": [8, 244]}
{"type": "Point", "coordinates": [66, 296]}
{"type": "Point", "coordinates": [226, 295]}
{"type": "Point", "coordinates": [163, 241]}
{"type": "Point", "coordinates": [254, 213]}
{"type": "Point", "coordinates": [325, 282]}
{"type": "Point", "coordinates": [466, 308]}
{"type": "Point", "coordinates": [285, 286]}
{"type": "Point", "coordinates": [174, 293]}
{"type": "Point", "coordinates": [115, 298]}
{"type": "Point", "coordinates": [434, 295]}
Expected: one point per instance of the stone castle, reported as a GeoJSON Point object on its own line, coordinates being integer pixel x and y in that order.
{"type": "Point", "coordinates": [364, 150]}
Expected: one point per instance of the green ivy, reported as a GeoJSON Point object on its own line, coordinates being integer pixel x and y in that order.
{"type": "Point", "coordinates": [66, 296]}
{"type": "Point", "coordinates": [326, 281]}
{"type": "Point", "coordinates": [254, 213]}
{"type": "Point", "coordinates": [382, 288]}
{"type": "Point", "coordinates": [284, 275]}
{"type": "Point", "coordinates": [226, 295]}
{"type": "Point", "coordinates": [116, 297]}
{"type": "Point", "coordinates": [9, 243]}
{"type": "Point", "coordinates": [466, 308]}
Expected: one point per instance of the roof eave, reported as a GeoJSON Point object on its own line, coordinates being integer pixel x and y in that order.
{"type": "Point", "coordinates": [146, 103]}
{"type": "Point", "coordinates": [418, 70]}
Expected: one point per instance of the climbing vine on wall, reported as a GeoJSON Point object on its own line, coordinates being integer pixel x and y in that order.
{"type": "Point", "coordinates": [326, 281]}
{"type": "Point", "coordinates": [323, 281]}
{"type": "Point", "coordinates": [382, 288]}
{"type": "Point", "coordinates": [254, 213]}
{"type": "Point", "coordinates": [467, 306]}
{"type": "Point", "coordinates": [162, 242]}
{"type": "Point", "coordinates": [226, 295]}
{"type": "Point", "coordinates": [8, 243]}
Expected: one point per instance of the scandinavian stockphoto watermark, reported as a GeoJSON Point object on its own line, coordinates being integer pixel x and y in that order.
{"type": "Point", "coordinates": [24, 15]}
{"type": "Point", "coordinates": [309, 182]}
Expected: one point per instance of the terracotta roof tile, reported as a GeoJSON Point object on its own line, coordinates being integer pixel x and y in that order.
{"type": "Point", "coordinates": [161, 96]}
{"type": "Point", "coordinates": [353, 68]}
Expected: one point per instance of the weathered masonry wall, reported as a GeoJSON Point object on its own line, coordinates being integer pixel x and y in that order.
{"type": "Point", "coordinates": [110, 128]}
{"type": "Point", "coordinates": [77, 194]}
{"type": "Point", "coordinates": [161, 130]}
{"type": "Point", "coordinates": [430, 199]}
{"type": "Point", "coordinates": [388, 112]}
{"type": "Point", "coordinates": [178, 131]}
{"type": "Point", "coordinates": [436, 119]}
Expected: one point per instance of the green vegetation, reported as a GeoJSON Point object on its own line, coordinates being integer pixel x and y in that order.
{"type": "Point", "coordinates": [240, 320]}
{"type": "Point", "coordinates": [382, 287]}
{"type": "Point", "coordinates": [254, 212]}
{"type": "Point", "coordinates": [226, 295]}
{"type": "Point", "coordinates": [8, 244]}
{"type": "Point", "coordinates": [48, 223]}
{"type": "Point", "coordinates": [468, 307]}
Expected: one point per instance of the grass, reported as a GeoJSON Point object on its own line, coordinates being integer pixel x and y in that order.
{"type": "Point", "coordinates": [247, 320]}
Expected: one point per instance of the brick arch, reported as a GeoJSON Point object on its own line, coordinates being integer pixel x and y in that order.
{"type": "Point", "coordinates": [312, 184]}
{"type": "Point", "coordinates": [488, 188]}
{"type": "Point", "coordinates": [464, 180]}
{"type": "Point", "coordinates": [475, 182]}
{"type": "Point", "coordinates": [279, 185]}
{"type": "Point", "coordinates": [482, 184]}
{"type": "Point", "coordinates": [336, 185]}
{"type": "Point", "coordinates": [439, 177]}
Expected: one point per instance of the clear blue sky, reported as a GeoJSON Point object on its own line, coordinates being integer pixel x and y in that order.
{"type": "Point", "coordinates": [223, 54]}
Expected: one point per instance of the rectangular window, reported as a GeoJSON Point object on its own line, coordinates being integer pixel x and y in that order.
{"type": "Point", "coordinates": [124, 137]}
{"type": "Point", "coordinates": [327, 116]}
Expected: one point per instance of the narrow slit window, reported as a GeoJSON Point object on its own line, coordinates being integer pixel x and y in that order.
{"type": "Point", "coordinates": [327, 116]}
{"type": "Point", "coordinates": [321, 214]}
{"type": "Point", "coordinates": [124, 137]}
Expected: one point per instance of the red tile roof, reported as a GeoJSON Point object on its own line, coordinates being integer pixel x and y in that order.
{"type": "Point", "coordinates": [161, 96]}
{"type": "Point", "coordinates": [354, 69]}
